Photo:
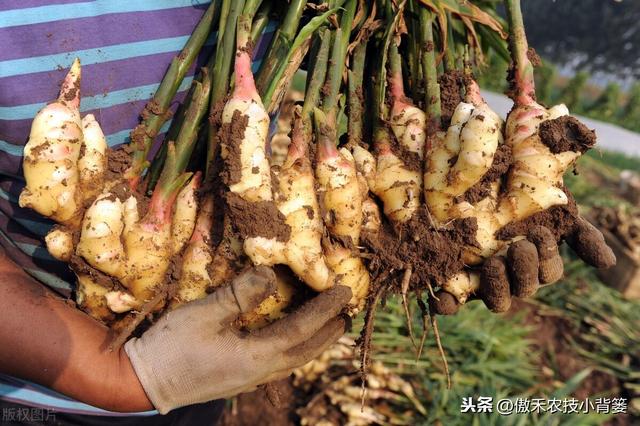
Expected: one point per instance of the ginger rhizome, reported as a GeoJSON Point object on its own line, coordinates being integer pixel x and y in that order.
{"type": "Point", "coordinates": [394, 170]}
{"type": "Point", "coordinates": [51, 155]}
{"type": "Point", "coordinates": [65, 164]}
{"type": "Point", "coordinates": [249, 179]}
{"type": "Point", "coordinates": [137, 251]}
{"type": "Point", "coordinates": [377, 188]}
{"type": "Point", "coordinates": [540, 155]}
{"type": "Point", "coordinates": [458, 159]}
{"type": "Point", "coordinates": [341, 196]}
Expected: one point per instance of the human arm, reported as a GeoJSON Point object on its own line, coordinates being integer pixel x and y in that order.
{"type": "Point", "coordinates": [195, 352]}
{"type": "Point", "coordinates": [45, 339]}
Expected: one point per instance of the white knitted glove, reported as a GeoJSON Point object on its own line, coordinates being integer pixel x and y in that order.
{"type": "Point", "coordinates": [194, 355]}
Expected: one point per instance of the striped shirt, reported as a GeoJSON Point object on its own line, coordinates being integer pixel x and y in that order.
{"type": "Point", "coordinates": [125, 47]}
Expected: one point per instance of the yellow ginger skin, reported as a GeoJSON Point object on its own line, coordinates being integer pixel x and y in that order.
{"type": "Point", "coordinates": [60, 244]}
{"type": "Point", "coordinates": [371, 220]}
{"type": "Point", "coordinates": [91, 167]}
{"type": "Point", "coordinates": [534, 183]}
{"type": "Point", "coordinates": [339, 189]}
{"type": "Point", "coordinates": [341, 196]}
{"type": "Point", "coordinates": [408, 122]}
{"type": "Point", "coordinates": [51, 156]}
{"type": "Point", "coordinates": [149, 247]}
{"type": "Point", "coordinates": [140, 260]}
{"type": "Point", "coordinates": [273, 307]}
{"type": "Point", "coordinates": [295, 192]}
{"type": "Point", "coordinates": [100, 243]}
{"type": "Point", "coordinates": [471, 140]}
{"type": "Point", "coordinates": [339, 193]}
{"type": "Point", "coordinates": [394, 182]}
{"type": "Point", "coordinates": [296, 200]}
{"type": "Point", "coordinates": [93, 163]}
{"type": "Point", "coordinates": [387, 176]}
{"type": "Point", "coordinates": [351, 272]}
{"type": "Point", "coordinates": [463, 285]}
{"type": "Point", "coordinates": [91, 297]}
{"type": "Point", "coordinates": [183, 220]}
{"type": "Point", "coordinates": [245, 101]}
{"type": "Point", "coordinates": [197, 257]}
{"type": "Point", "coordinates": [137, 252]}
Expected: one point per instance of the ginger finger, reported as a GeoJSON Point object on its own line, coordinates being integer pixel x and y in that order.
{"type": "Point", "coordinates": [51, 156]}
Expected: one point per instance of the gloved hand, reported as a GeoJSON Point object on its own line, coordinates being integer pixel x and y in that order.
{"type": "Point", "coordinates": [193, 354]}
{"type": "Point", "coordinates": [529, 263]}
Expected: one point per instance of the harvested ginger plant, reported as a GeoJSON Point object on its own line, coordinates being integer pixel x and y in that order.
{"type": "Point", "coordinates": [389, 184]}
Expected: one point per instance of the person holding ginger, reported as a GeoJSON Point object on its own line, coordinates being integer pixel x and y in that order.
{"type": "Point", "coordinates": [178, 371]}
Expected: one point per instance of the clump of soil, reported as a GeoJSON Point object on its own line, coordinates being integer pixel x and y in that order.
{"type": "Point", "coordinates": [257, 219]}
{"type": "Point", "coordinates": [411, 160]}
{"type": "Point", "coordinates": [118, 161]}
{"type": "Point", "coordinates": [566, 133]}
{"type": "Point", "coordinates": [433, 255]}
{"type": "Point", "coordinates": [138, 135]}
{"type": "Point", "coordinates": [451, 83]}
{"type": "Point", "coordinates": [534, 57]}
{"type": "Point", "coordinates": [560, 220]}
{"type": "Point", "coordinates": [232, 135]}
{"type": "Point", "coordinates": [40, 150]}
{"type": "Point", "coordinates": [122, 191]}
{"type": "Point", "coordinates": [502, 160]}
